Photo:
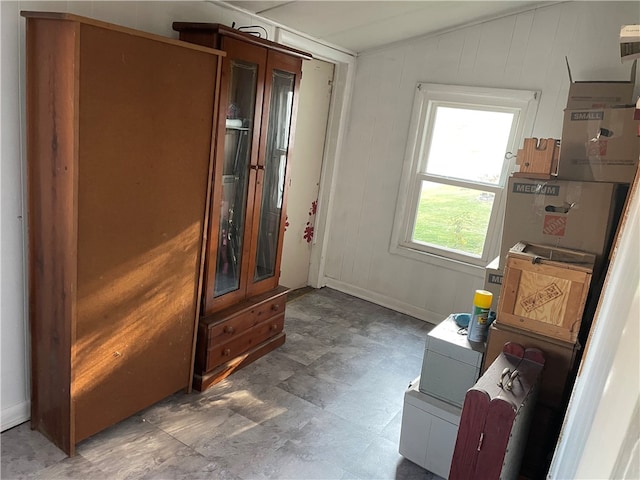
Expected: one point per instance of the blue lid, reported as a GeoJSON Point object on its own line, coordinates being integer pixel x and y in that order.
{"type": "Point", "coordinates": [462, 319]}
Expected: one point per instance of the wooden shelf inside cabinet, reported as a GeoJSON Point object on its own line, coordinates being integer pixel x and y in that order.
{"type": "Point", "coordinates": [118, 186]}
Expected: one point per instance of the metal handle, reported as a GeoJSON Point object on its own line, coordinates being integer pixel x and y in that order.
{"type": "Point", "coordinates": [513, 376]}
{"type": "Point", "coordinates": [505, 373]}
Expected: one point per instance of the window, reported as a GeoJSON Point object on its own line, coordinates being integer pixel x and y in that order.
{"type": "Point", "coordinates": [451, 200]}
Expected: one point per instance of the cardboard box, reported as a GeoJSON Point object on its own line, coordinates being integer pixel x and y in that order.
{"type": "Point", "coordinates": [599, 145]}
{"type": "Point", "coordinates": [493, 279]}
{"type": "Point", "coordinates": [575, 215]}
{"type": "Point", "coordinates": [545, 290]}
{"type": "Point", "coordinates": [599, 94]}
{"type": "Point", "coordinates": [599, 135]}
{"type": "Point", "coordinates": [559, 358]}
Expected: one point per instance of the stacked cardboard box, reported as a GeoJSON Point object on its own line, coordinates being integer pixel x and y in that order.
{"type": "Point", "coordinates": [599, 134]}
{"type": "Point", "coordinates": [562, 213]}
{"type": "Point", "coordinates": [578, 208]}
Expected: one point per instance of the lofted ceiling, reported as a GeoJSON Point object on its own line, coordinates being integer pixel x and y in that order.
{"type": "Point", "coordinates": [359, 26]}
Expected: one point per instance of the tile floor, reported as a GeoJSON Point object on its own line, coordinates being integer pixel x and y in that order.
{"type": "Point", "coordinates": [325, 405]}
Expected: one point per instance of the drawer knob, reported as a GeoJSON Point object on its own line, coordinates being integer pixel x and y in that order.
{"type": "Point", "coordinates": [226, 352]}
{"type": "Point", "coordinates": [273, 327]}
{"type": "Point", "coordinates": [275, 307]}
{"type": "Point", "coordinates": [229, 329]}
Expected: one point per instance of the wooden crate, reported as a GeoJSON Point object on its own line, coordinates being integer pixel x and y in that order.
{"type": "Point", "coordinates": [544, 290]}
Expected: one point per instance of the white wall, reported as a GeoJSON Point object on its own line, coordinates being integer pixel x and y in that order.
{"type": "Point", "coordinates": [306, 167]}
{"type": "Point", "coordinates": [524, 51]}
{"type": "Point", "coordinates": [601, 435]}
{"type": "Point", "coordinates": [14, 389]}
{"type": "Point", "coordinates": [154, 17]}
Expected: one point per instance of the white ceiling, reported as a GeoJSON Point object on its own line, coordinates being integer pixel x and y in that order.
{"type": "Point", "coordinates": [364, 25]}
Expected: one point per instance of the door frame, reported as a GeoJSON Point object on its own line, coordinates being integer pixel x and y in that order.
{"type": "Point", "coordinates": [343, 81]}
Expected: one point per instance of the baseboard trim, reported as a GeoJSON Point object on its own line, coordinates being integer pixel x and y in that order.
{"type": "Point", "coordinates": [379, 299]}
{"type": "Point", "coordinates": [15, 415]}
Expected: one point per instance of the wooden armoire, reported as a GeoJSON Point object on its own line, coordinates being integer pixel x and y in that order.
{"type": "Point", "coordinates": [243, 305]}
{"type": "Point", "coordinates": [120, 126]}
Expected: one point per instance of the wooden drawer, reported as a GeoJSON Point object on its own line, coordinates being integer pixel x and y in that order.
{"type": "Point", "coordinates": [230, 328]}
{"type": "Point", "coordinates": [241, 342]}
{"type": "Point", "coordinates": [544, 290]}
{"type": "Point", "coordinates": [227, 335]}
{"type": "Point", "coordinates": [205, 380]}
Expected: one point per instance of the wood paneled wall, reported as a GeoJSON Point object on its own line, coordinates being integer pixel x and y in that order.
{"type": "Point", "coordinates": [524, 51]}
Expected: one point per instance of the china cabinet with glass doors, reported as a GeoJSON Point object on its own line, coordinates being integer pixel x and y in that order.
{"type": "Point", "coordinates": [243, 305]}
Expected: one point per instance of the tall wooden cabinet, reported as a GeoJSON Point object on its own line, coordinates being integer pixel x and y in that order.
{"type": "Point", "coordinates": [119, 140]}
{"type": "Point", "coordinates": [243, 307]}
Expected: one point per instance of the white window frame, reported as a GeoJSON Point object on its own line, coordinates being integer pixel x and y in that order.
{"type": "Point", "coordinates": [522, 103]}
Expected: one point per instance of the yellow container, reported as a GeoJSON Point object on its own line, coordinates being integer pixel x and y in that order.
{"type": "Point", "coordinates": [479, 323]}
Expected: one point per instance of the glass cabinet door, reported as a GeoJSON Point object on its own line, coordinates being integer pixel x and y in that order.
{"type": "Point", "coordinates": [275, 163]}
{"type": "Point", "coordinates": [240, 110]}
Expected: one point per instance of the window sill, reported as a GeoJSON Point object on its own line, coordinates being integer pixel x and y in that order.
{"type": "Point", "coordinates": [438, 260]}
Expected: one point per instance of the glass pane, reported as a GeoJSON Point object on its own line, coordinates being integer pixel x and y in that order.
{"type": "Point", "coordinates": [237, 156]}
{"type": "Point", "coordinates": [469, 144]}
{"type": "Point", "coordinates": [453, 218]}
{"type": "Point", "coordinates": [275, 163]}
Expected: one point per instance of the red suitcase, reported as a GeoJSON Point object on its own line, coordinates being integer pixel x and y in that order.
{"type": "Point", "coordinates": [496, 416]}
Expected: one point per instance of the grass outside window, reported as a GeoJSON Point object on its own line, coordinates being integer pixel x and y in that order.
{"type": "Point", "coordinates": [455, 218]}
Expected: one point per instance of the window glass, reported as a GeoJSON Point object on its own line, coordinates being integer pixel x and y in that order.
{"type": "Point", "coordinates": [469, 144]}
{"type": "Point", "coordinates": [452, 197]}
{"type": "Point", "coordinates": [452, 217]}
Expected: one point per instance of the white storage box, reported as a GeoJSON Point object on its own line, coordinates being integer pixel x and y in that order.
{"type": "Point", "coordinates": [451, 363]}
{"type": "Point", "coordinates": [429, 430]}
